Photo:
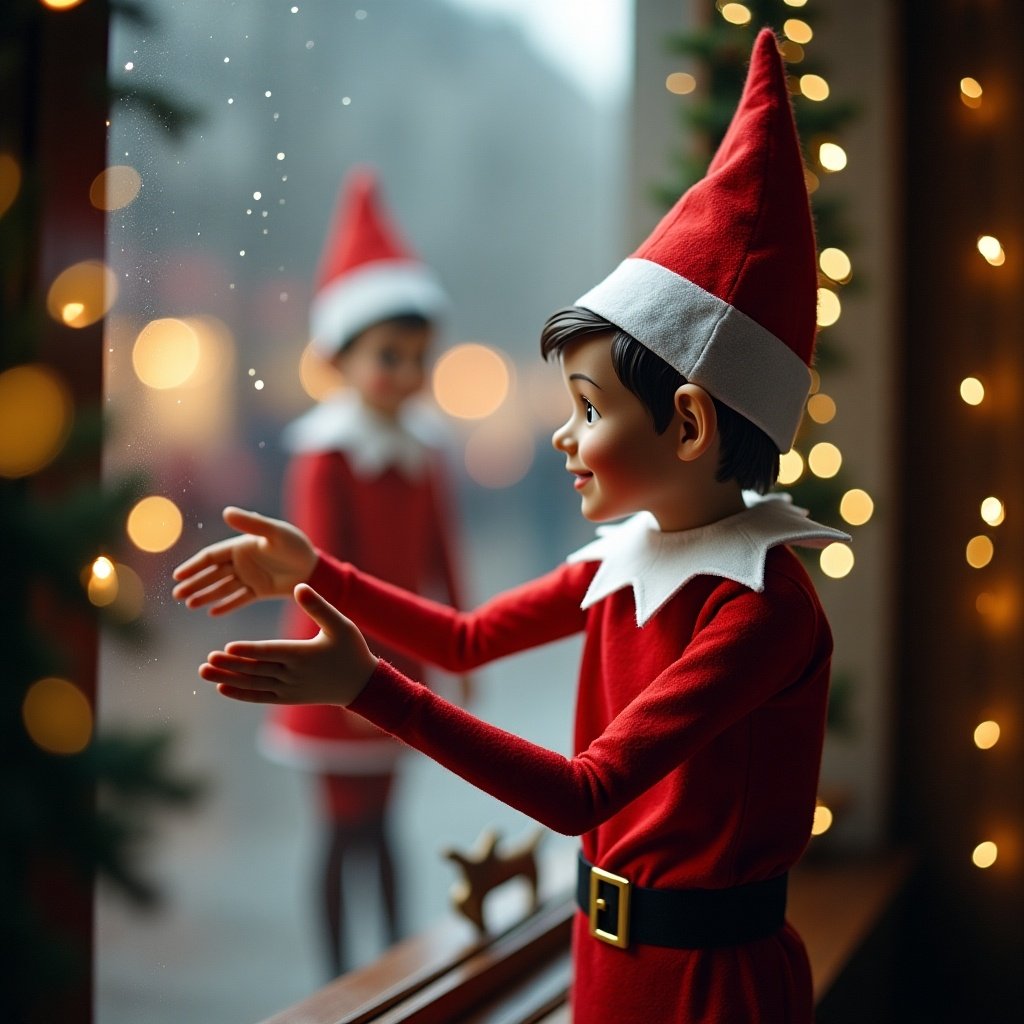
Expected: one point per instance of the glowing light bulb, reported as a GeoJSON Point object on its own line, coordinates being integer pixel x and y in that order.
{"type": "Point", "coordinates": [985, 854]}
{"type": "Point", "coordinates": [836, 561]}
{"type": "Point", "coordinates": [993, 511]}
{"type": "Point", "coordinates": [82, 294]}
{"type": "Point", "coordinates": [57, 716]}
{"type": "Point", "coordinates": [36, 414]}
{"type": "Point", "coordinates": [102, 568]}
{"type": "Point", "coordinates": [970, 92]}
{"type": "Point", "coordinates": [979, 551]}
{"type": "Point", "coordinates": [680, 83]}
{"type": "Point", "coordinates": [736, 14]}
{"type": "Point", "coordinates": [799, 31]}
{"type": "Point", "coordinates": [825, 460]}
{"type": "Point", "coordinates": [791, 467]}
{"type": "Point", "coordinates": [471, 381]}
{"type": "Point", "coordinates": [832, 156]}
{"type": "Point", "coordinates": [821, 408]}
{"type": "Point", "coordinates": [986, 735]}
{"type": "Point", "coordinates": [991, 248]}
{"type": "Point", "coordinates": [154, 524]}
{"type": "Point", "coordinates": [856, 507]}
{"type": "Point", "coordinates": [115, 188]}
{"type": "Point", "coordinates": [823, 818]}
{"type": "Point", "coordinates": [814, 87]}
{"type": "Point", "coordinates": [972, 391]}
{"type": "Point", "coordinates": [835, 264]}
{"type": "Point", "coordinates": [829, 307]}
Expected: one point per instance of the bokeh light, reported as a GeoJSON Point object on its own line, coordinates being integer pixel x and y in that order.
{"type": "Point", "coordinates": [814, 87]}
{"type": "Point", "coordinates": [680, 83]}
{"type": "Point", "coordinates": [986, 735]}
{"type": "Point", "coordinates": [10, 181]}
{"type": "Point", "coordinates": [972, 391]}
{"type": "Point", "coordinates": [82, 294]}
{"type": "Point", "coordinates": [992, 249]}
{"type": "Point", "coordinates": [992, 511]}
{"type": "Point", "coordinates": [823, 818]}
{"type": "Point", "coordinates": [791, 52]}
{"type": "Point", "coordinates": [736, 14]}
{"type": "Point", "coordinates": [35, 419]}
{"type": "Point", "coordinates": [166, 353]}
{"type": "Point", "coordinates": [318, 376]}
{"type": "Point", "coordinates": [829, 307]}
{"type": "Point", "coordinates": [101, 582]}
{"type": "Point", "coordinates": [985, 854]}
{"type": "Point", "coordinates": [832, 156]}
{"type": "Point", "coordinates": [791, 467]}
{"type": "Point", "coordinates": [979, 551]}
{"type": "Point", "coordinates": [115, 188]}
{"type": "Point", "coordinates": [57, 716]}
{"type": "Point", "coordinates": [471, 381]}
{"type": "Point", "coordinates": [836, 561]}
{"type": "Point", "coordinates": [61, 5]}
{"type": "Point", "coordinates": [835, 264]}
{"type": "Point", "coordinates": [499, 452]}
{"type": "Point", "coordinates": [856, 507]}
{"type": "Point", "coordinates": [797, 30]}
{"type": "Point", "coordinates": [154, 524]}
{"type": "Point", "coordinates": [970, 92]}
{"type": "Point", "coordinates": [825, 460]}
{"type": "Point", "coordinates": [821, 408]}
{"type": "Point", "coordinates": [131, 595]}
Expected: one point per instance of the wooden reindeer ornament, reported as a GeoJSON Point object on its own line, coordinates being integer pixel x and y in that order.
{"type": "Point", "coordinates": [486, 867]}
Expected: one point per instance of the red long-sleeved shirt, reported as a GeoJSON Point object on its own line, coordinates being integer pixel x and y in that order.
{"type": "Point", "coordinates": [697, 745]}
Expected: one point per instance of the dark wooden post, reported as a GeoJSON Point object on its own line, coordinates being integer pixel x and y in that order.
{"type": "Point", "coordinates": [960, 635]}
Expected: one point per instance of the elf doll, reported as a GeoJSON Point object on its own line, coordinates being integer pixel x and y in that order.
{"type": "Point", "coordinates": [363, 486]}
{"type": "Point", "coordinates": [704, 675]}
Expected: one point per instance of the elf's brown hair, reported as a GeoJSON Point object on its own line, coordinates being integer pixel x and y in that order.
{"type": "Point", "coordinates": [747, 454]}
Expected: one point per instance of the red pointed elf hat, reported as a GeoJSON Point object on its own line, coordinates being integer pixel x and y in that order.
{"type": "Point", "coordinates": [725, 287]}
{"type": "Point", "coordinates": [367, 273]}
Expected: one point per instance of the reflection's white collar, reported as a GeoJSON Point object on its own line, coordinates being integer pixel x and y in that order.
{"type": "Point", "coordinates": [373, 443]}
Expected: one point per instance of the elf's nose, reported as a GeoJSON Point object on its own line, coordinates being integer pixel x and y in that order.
{"type": "Point", "coordinates": [562, 440]}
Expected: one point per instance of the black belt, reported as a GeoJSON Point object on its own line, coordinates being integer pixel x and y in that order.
{"type": "Point", "coordinates": [622, 913]}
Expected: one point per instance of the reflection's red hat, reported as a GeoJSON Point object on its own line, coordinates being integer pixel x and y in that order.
{"type": "Point", "coordinates": [367, 272]}
{"type": "Point", "coordinates": [725, 287]}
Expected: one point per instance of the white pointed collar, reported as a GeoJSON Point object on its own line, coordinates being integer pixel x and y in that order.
{"type": "Point", "coordinates": [656, 565]}
{"type": "Point", "coordinates": [373, 443]}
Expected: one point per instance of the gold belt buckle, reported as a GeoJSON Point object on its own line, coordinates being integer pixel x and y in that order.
{"type": "Point", "coordinates": [597, 904]}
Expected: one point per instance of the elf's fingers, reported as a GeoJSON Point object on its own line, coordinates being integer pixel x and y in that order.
{"type": "Point", "coordinates": [322, 612]}
{"type": "Point", "coordinates": [246, 521]}
{"type": "Point", "coordinates": [264, 651]}
{"type": "Point", "coordinates": [239, 680]}
{"type": "Point", "coordinates": [248, 696]}
{"type": "Point", "coordinates": [231, 661]}
{"type": "Point", "coordinates": [212, 558]}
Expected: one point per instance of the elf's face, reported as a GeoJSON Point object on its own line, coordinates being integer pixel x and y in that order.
{"type": "Point", "coordinates": [620, 464]}
{"type": "Point", "coordinates": [386, 364]}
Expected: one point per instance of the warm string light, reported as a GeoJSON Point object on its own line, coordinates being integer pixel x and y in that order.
{"type": "Point", "coordinates": [996, 607]}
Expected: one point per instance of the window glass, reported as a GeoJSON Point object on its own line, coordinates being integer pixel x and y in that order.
{"type": "Point", "coordinates": [496, 131]}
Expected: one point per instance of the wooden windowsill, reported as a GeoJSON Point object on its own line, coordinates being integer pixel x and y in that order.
{"type": "Point", "coordinates": [437, 975]}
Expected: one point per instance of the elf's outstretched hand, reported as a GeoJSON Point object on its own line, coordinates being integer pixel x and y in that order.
{"type": "Point", "coordinates": [331, 668]}
{"type": "Point", "coordinates": [268, 560]}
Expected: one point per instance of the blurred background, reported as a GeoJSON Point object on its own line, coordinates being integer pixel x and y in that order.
{"type": "Point", "coordinates": [525, 148]}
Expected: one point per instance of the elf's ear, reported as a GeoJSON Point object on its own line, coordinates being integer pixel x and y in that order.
{"type": "Point", "coordinates": [697, 422]}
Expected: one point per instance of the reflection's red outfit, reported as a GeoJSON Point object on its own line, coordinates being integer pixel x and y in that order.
{"type": "Point", "coordinates": [392, 519]}
{"type": "Point", "coordinates": [698, 738]}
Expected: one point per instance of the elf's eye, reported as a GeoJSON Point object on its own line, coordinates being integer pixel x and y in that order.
{"type": "Point", "coordinates": [591, 414]}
